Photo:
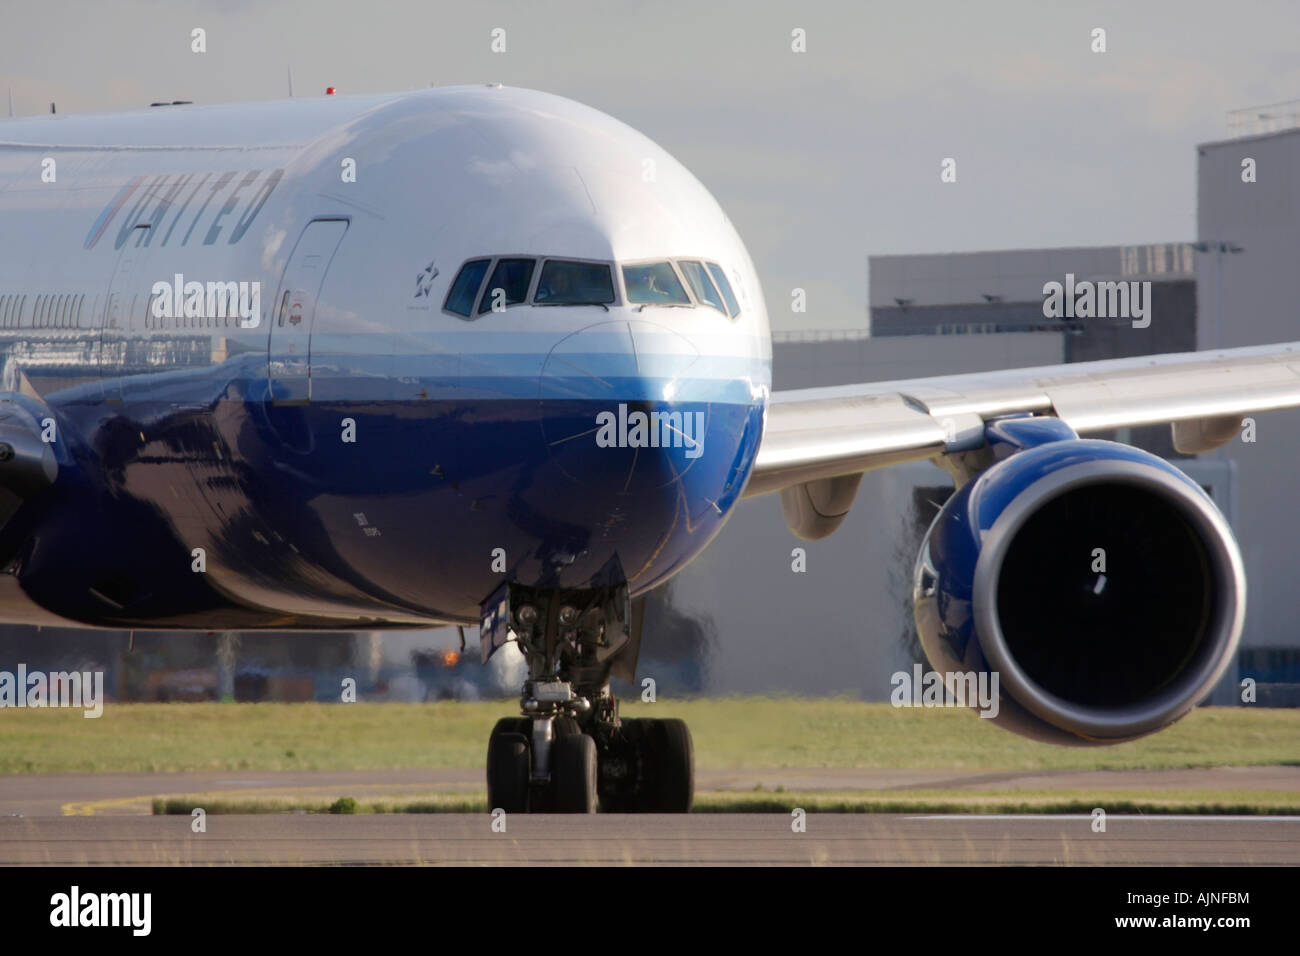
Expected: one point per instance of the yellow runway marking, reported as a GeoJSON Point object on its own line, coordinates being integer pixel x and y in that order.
{"type": "Point", "coordinates": [88, 808]}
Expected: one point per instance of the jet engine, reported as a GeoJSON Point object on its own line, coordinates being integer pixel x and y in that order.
{"type": "Point", "coordinates": [1098, 582]}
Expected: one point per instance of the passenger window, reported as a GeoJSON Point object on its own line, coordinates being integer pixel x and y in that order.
{"type": "Point", "coordinates": [700, 284]}
{"type": "Point", "coordinates": [465, 289]}
{"type": "Point", "coordinates": [574, 283]}
{"type": "Point", "coordinates": [512, 277]}
{"type": "Point", "coordinates": [720, 277]}
{"type": "Point", "coordinates": [654, 283]}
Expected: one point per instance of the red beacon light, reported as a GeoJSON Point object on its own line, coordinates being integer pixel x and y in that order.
{"type": "Point", "coordinates": [330, 91]}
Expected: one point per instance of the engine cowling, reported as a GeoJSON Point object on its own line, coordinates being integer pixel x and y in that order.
{"type": "Point", "coordinates": [1099, 582]}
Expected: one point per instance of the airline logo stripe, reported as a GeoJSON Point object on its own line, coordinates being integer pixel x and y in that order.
{"type": "Point", "coordinates": [105, 217]}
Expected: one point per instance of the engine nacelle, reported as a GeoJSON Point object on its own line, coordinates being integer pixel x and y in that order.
{"type": "Point", "coordinates": [1099, 582]}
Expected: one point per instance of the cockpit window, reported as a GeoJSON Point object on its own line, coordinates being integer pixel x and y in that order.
{"type": "Point", "coordinates": [654, 283]}
{"type": "Point", "coordinates": [574, 283]}
{"type": "Point", "coordinates": [465, 289]}
{"type": "Point", "coordinates": [511, 277]}
{"type": "Point", "coordinates": [700, 283]}
{"type": "Point", "coordinates": [720, 277]}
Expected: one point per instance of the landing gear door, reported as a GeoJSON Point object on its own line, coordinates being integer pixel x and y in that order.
{"type": "Point", "coordinates": [293, 312]}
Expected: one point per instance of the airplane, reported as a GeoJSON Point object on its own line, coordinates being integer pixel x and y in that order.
{"type": "Point", "coordinates": [486, 356]}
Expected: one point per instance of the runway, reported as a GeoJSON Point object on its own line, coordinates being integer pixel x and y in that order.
{"type": "Point", "coordinates": [104, 819]}
{"type": "Point", "coordinates": [717, 839]}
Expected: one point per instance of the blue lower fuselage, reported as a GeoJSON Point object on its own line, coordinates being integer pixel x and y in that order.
{"type": "Point", "coordinates": [369, 511]}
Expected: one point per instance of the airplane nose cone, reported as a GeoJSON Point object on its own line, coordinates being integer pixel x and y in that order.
{"type": "Point", "coordinates": [614, 414]}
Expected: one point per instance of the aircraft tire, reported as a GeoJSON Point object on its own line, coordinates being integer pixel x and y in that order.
{"type": "Point", "coordinates": [573, 773]}
{"type": "Point", "coordinates": [669, 784]}
{"type": "Point", "coordinates": [509, 769]}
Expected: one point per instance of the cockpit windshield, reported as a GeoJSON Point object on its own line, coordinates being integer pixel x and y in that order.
{"type": "Point", "coordinates": [700, 283]}
{"type": "Point", "coordinates": [720, 278]}
{"type": "Point", "coordinates": [654, 283]}
{"type": "Point", "coordinates": [465, 289]}
{"type": "Point", "coordinates": [564, 282]}
{"type": "Point", "coordinates": [492, 283]}
{"type": "Point", "coordinates": [509, 284]}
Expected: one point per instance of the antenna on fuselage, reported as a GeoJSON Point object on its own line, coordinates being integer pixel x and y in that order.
{"type": "Point", "coordinates": [290, 80]}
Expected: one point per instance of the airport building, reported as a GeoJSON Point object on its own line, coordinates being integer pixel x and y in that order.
{"type": "Point", "coordinates": [1248, 231]}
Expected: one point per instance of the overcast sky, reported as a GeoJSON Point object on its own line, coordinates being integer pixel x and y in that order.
{"type": "Point", "coordinates": [821, 158]}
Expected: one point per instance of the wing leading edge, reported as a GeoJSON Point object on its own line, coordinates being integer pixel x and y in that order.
{"type": "Point", "coordinates": [824, 438]}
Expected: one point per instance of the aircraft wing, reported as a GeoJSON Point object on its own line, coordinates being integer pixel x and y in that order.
{"type": "Point", "coordinates": [818, 441]}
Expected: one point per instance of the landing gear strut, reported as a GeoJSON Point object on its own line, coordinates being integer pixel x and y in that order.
{"type": "Point", "coordinates": [570, 752]}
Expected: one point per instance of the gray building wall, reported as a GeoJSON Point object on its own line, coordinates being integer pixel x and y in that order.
{"type": "Point", "coordinates": [1246, 298]}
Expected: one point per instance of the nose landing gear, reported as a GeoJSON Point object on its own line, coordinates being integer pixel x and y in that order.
{"type": "Point", "coordinates": [570, 752]}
